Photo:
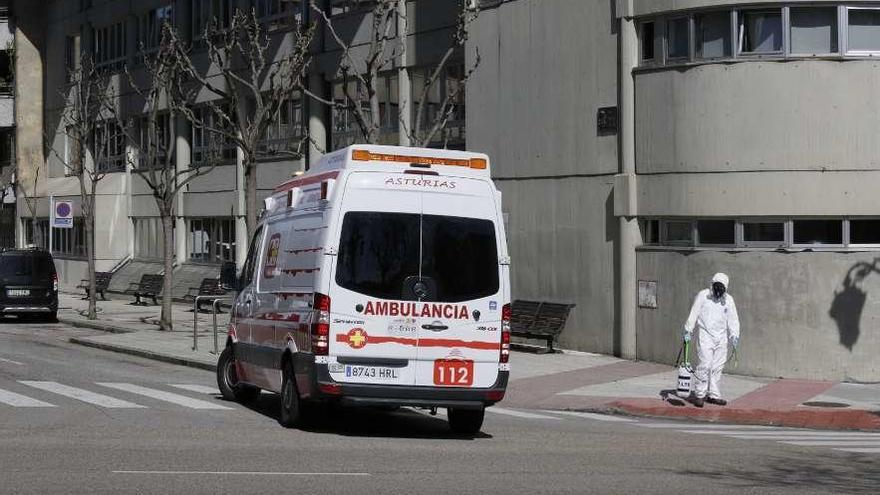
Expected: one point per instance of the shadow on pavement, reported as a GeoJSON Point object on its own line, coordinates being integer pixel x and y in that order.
{"type": "Point", "coordinates": [839, 473]}
{"type": "Point", "coordinates": [364, 421]}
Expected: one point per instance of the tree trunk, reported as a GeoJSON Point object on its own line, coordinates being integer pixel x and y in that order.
{"type": "Point", "coordinates": [250, 194]}
{"type": "Point", "coordinates": [165, 319]}
{"type": "Point", "coordinates": [88, 212]}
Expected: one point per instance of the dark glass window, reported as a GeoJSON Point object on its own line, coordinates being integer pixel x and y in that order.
{"type": "Point", "coordinates": [764, 232]}
{"type": "Point", "coordinates": [716, 231]}
{"type": "Point", "coordinates": [864, 231]}
{"type": "Point", "coordinates": [647, 41]}
{"type": "Point", "coordinates": [677, 38]}
{"type": "Point", "coordinates": [760, 31]}
{"type": "Point", "coordinates": [677, 232]}
{"type": "Point", "coordinates": [818, 232]}
{"type": "Point", "coordinates": [380, 254]}
{"type": "Point", "coordinates": [712, 31]}
{"type": "Point", "coordinates": [251, 260]}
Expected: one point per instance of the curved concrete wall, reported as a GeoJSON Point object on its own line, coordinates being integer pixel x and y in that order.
{"type": "Point", "coordinates": [748, 116]}
{"type": "Point", "coordinates": [803, 315]}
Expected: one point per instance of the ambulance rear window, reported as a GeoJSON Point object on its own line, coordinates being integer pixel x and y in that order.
{"type": "Point", "coordinates": [379, 252]}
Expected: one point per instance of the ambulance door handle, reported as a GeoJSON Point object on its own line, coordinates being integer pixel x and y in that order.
{"type": "Point", "coordinates": [435, 328]}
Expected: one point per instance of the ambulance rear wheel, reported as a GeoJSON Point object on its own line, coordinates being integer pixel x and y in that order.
{"type": "Point", "coordinates": [227, 380]}
{"type": "Point", "coordinates": [466, 421]}
{"type": "Point", "coordinates": [291, 405]}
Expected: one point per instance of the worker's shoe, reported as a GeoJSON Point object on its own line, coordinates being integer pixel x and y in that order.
{"type": "Point", "coordinates": [698, 401]}
{"type": "Point", "coordinates": [717, 402]}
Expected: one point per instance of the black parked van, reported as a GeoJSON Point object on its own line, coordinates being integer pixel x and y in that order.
{"type": "Point", "coordinates": [28, 284]}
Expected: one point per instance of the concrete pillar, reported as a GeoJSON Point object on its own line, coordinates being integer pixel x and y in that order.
{"type": "Point", "coordinates": [182, 156]}
{"type": "Point", "coordinates": [241, 234]}
{"type": "Point", "coordinates": [404, 87]}
{"type": "Point", "coordinates": [629, 234]}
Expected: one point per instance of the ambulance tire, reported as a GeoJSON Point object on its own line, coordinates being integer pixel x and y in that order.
{"type": "Point", "coordinates": [227, 380]}
{"type": "Point", "coordinates": [466, 421]}
{"type": "Point", "coordinates": [291, 404]}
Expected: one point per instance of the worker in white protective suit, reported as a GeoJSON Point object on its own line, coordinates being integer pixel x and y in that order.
{"type": "Point", "coordinates": [714, 315]}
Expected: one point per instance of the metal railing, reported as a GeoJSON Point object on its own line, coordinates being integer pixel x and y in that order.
{"type": "Point", "coordinates": [216, 301]}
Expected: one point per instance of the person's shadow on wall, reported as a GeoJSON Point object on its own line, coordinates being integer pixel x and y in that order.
{"type": "Point", "coordinates": [846, 308]}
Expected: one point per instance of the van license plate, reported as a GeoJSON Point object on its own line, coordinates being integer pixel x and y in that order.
{"type": "Point", "coordinates": [18, 292]}
{"type": "Point", "coordinates": [453, 372]}
{"type": "Point", "coordinates": [371, 372]}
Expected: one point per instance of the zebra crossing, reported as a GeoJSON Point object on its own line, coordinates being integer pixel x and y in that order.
{"type": "Point", "coordinates": [844, 441]}
{"type": "Point", "coordinates": [109, 395]}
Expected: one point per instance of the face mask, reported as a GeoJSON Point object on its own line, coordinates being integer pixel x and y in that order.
{"type": "Point", "coordinates": [718, 290]}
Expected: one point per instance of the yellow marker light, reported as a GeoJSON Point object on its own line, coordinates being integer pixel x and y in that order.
{"type": "Point", "coordinates": [478, 163]}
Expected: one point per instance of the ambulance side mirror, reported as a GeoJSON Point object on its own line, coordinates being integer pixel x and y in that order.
{"type": "Point", "coordinates": [228, 278]}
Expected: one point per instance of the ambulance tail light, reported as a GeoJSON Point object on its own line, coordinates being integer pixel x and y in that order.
{"type": "Point", "coordinates": [321, 325]}
{"type": "Point", "coordinates": [505, 334]}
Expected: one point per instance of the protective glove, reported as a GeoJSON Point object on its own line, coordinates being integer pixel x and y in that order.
{"type": "Point", "coordinates": [686, 335]}
{"type": "Point", "coordinates": [734, 341]}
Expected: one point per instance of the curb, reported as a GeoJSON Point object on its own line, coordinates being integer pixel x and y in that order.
{"type": "Point", "coordinates": [859, 420]}
{"type": "Point", "coordinates": [192, 363]}
{"type": "Point", "coordinates": [94, 325]}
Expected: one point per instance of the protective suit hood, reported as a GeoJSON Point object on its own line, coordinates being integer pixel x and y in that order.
{"type": "Point", "coordinates": [720, 278]}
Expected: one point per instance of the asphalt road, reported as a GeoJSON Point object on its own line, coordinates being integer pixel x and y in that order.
{"type": "Point", "coordinates": [81, 420]}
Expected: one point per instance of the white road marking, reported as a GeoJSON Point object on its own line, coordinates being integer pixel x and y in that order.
{"type": "Point", "coordinates": [2, 360]}
{"type": "Point", "coordinates": [82, 395]}
{"type": "Point", "coordinates": [836, 443]}
{"type": "Point", "coordinates": [239, 473]}
{"type": "Point", "coordinates": [197, 388]}
{"type": "Point", "coordinates": [862, 451]}
{"type": "Point", "coordinates": [164, 396]}
{"type": "Point", "coordinates": [519, 414]}
{"type": "Point", "coordinates": [786, 433]}
{"type": "Point", "coordinates": [598, 417]}
{"type": "Point", "coordinates": [18, 400]}
{"type": "Point", "coordinates": [780, 438]}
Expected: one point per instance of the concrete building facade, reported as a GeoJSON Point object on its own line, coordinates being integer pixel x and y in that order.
{"type": "Point", "coordinates": [641, 146]}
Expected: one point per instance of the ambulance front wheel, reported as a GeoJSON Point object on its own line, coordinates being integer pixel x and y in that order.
{"type": "Point", "coordinates": [291, 404]}
{"type": "Point", "coordinates": [466, 421]}
{"type": "Point", "coordinates": [227, 379]}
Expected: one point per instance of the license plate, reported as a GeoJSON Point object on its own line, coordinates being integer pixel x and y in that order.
{"type": "Point", "coordinates": [371, 372]}
{"type": "Point", "coordinates": [18, 292]}
{"type": "Point", "coordinates": [453, 372]}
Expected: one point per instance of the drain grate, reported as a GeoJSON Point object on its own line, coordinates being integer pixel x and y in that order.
{"type": "Point", "coordinates": [825, 404]}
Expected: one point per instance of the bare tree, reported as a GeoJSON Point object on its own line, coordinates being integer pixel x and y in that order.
{"type": "Point", "coordinates": [360, 68]}
{"type": "Point", "coordinates": [89, 123]}
{"type": "Point", "coordinates": [168, 91]}
{"type": "Point", "coordinates": [251, 88]}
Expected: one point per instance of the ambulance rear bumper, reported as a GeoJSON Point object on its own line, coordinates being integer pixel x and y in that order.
{"type": "Point", "coordinates": [397, 395]}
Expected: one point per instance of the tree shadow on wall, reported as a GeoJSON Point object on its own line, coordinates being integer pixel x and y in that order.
{"type": "Point", "coordinates": [846, 308]}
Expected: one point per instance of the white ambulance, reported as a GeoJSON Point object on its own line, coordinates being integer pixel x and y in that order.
{"type": "Point", "coordinates": [379, 277]}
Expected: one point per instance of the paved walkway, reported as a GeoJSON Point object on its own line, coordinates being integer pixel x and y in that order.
{"type": "Point", "coordinates": [565, 381]}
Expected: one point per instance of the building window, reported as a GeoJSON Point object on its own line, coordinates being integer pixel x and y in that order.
{"type": "Point", "coordinates": [716, 232]}
{"type": "Point", "coordinates": [148, 238]}
{"type": "Point", "coordinates": [70, 242]}
{"type": "Point", "coordinates": [207, 11]}
{"type": "Point", "coordinates": [344, 6]}
{"type": "Point", "coordinates": [652, 232]}
{"type": "Point", "coordinates": [813, 30]}
{"type": "Point", "coordinates": [150, 28]}
{"type": "Point", "coordinates": [864, 30]}
{"type": "Point", "coordinates": [36, 235]}
{"type": "Point", "coordinates": [277, 14]}
{"type": "Point", "coordinates": [211, 240]}
{"type": "Point", "coordinates": [71, 56]}
{"type": "Point", "coordinates": [712, 34]}
{"type": "Point", "coordinates": [109, 147]}
{"type": "Point", "coordinates": [646, 35]}
{"type": "Point", "coordinates": [677, 232]}
{"type": "Point", "coordinates": [157, 144]}
{"type": "Point", "coordinates": [864, 231]}
{"type": "Point", "coordinates": [817, 232]}
{"type": "Point", "coordinates": [677, 38]}
{"type": "Point", "coordinates": [759, 233]}
{"type": "Point", "coordinates": [109, 46]}
{"type": "Point", "coordinates": [284, 134]}
{"type": "Point", "coordinates": [760, 31]}
{"type": "Point", "coordinates": [208, 146]}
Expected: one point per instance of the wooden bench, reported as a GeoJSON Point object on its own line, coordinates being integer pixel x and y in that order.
{"type": "Point", "coordinates": [538, 320]}
{"type": "Point", "coordinates": [150, 286]}
{"type": "Point", "coordinates": [102, 281]}
{"type": "Point", "coordinates": [208, 287]}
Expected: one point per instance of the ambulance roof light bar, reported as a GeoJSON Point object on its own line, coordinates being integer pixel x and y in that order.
{"type": "Point", "coordinates": [367, 156]}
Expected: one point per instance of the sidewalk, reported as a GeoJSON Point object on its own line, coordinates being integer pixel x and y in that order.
{"type": "Point", "coordinates": [571, 380]}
